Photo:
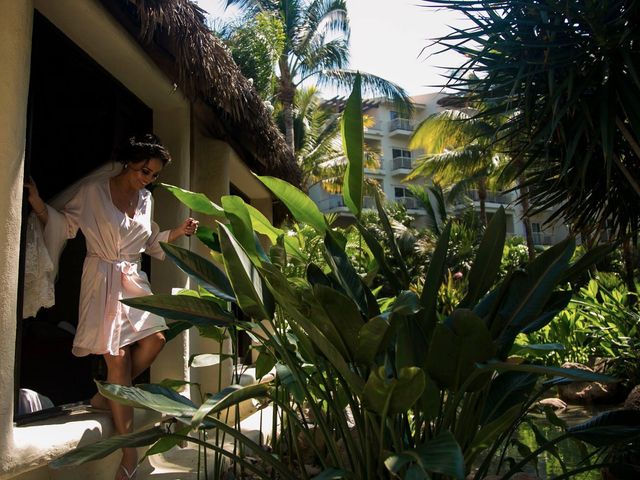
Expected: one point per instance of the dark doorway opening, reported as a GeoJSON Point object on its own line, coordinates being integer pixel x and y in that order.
{"type": "Point", "coordinates": [78, 114]}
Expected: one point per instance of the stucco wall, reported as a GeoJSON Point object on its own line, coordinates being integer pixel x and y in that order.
{"type": "Point", "coordinates": [90, 27]}
{"type": "Point", "coordinates": [15, 49]}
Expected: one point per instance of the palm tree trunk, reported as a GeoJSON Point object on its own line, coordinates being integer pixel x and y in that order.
{"type": "Point", "coordinates": [286, 94]}
{"type": "Point", "coordinates": [528, 231]}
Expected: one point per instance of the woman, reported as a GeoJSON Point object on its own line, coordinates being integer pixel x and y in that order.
{"type": "Point", "coordinates": [114, 215]}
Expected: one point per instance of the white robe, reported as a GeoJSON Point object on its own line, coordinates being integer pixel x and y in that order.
{"type": "Point", "coordinates": [111, 269]}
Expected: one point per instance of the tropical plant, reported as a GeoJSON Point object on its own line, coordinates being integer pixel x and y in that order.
{"type": "Point", "coordinates": [256, 45]}
{"type": "Point", "coordinates": [460, 153]}
{"type": "Point", "coordinates": [565, 75]}
{"type": "Point", "coordinates": [376, 387]}
{"type": "Point", "coordinates": [316, 46]}
{"type": "Point", "coordinates": [598, 323]}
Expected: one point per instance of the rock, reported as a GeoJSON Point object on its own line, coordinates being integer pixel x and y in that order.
{"type": "Point", "coordinates": [633, 399]}
{"type": "Point", "coordinates": [587, 392]}
{"type": "Point", "coordinates": [554, 403]}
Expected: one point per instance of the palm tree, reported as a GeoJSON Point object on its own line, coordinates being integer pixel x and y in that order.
{"type": "Point", "coordinates": [316, 46]}
{"type": "Point", "coordinates": [566, 73]}
{"type": "Point", "coordinates": [460, 154]}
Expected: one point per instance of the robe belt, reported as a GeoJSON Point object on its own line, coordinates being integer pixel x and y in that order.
{"type": "Point", "coordinates": [120, 279]}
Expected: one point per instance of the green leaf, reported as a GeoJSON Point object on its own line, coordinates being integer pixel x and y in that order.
{"type": "Point", "coordinates": [300, 205]}
{"type": "Point", "coordinates": [587, 260]}
{"type": "Point", "coordinates": [264, 363]}
{"type": "Point", "coordinates": [406, 303]}
{"type": "Point", "coordinates": [183, 307]}
{"type": "Point", "coordinates": [174, 329]}
{"type": "Point", "coordinates": [209, 237]}
{"type": "Point", "coordinates": [608, 428]}
{"type": "Point", "coordinates": [488, 259]}
{"type": "Point", "coordinates": [105, 447]}
{"type": "Point", "coordinates": [342, 312]}
{"type": "Point", "coordinates": [506, 390]}
{"type": "Point", "coordinates": [353, 144]}
{"type": "Point", "coordinates": [242, 275]}
{"type": "Point", "coordinates": [456, 346]}
{"type": "Point", "coordinates": [166, 443]}
{"type": "Point", "coordinates": [492, 430]}
{"type": "Point", "coordinates": [394, 395]}
{"type": "Point", "coordinates": [379, 255]}
{"type": "Point", "coordinates": [569, 373]}
{"type": "Point", "coordinates": [536, 348]}
{"type": "Point", "coordinates": [211, 277]}
{"type": "Point", "coordinates": [290, 382]}
{"type": "Point", "coordinates": [441, 454]}
{"type": "Point", "coordinates": [403, 271]}
{"type": "Point", "coordinates": [236, 211]}
{"type": "Point", "coordinates": [371, 339]}
{"type": "Point", "coordinates": [197, 202]}
{"type": "Point", "coordinates": [177, 385]}
{"type": "Point", "coordinates": [433, 280]}
{"type": "Point", "coordinates": [149, 397]}
{"type": "Point", "coordinates": [529, 293]}
{"type": "Point", "coordinates": [262, 225]}
{"type": "Point", "coordinates": [228, 397]}
{"type": "Point", "coordinates": [199, 360]}
{"type": "Point", "coordinates": [344, 272]}
{"type": "Point", "coordinates": [281, 290]}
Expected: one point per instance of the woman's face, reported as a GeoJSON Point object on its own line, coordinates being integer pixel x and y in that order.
{"type": "Point", "coordinates": [141, 174]}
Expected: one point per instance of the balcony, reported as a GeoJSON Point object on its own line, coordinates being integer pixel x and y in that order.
{"type": "Point", "coordinates": [374, 132]}
{"type": "Point", "coordinates": [402, 166]}
{"type": "Point", "coordinates": [332, 204]}
{"type": "Point", "coordinates": [492, 197]}
{"type": "Point", "coordinates": [410, 203]}
{"type": "Point", "coordinates": [541, 238]}
{"type": "Point", "coordinates": [401, 127]}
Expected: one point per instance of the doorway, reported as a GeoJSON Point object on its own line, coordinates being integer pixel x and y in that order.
{"type": "Point", "coordinates": [78, 113]}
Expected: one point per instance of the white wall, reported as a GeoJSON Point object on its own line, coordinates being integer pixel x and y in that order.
{"type": "Point", "coordinates": [15, 51]}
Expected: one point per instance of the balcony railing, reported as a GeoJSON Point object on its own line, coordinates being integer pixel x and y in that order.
{"type": "Point", "coordinates": [400, 124]}
{"type": "Point", "coordinates": [409, 202]}
{"type": "Point", "coordinates": [402, 163]}
{"type": "Point", "coordinates": [541, 238]}
{"type": "Point", "coordinates": [330, 203]}
{"type": "Point", "coordinates": [492, 197]}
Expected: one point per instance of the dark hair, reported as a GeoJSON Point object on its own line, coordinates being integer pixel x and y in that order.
{"type": "Point", "coordinates": [142, 147]}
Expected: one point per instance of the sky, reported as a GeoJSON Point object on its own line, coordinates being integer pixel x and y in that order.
{"type": "Point", "coordinates": [388, 38]}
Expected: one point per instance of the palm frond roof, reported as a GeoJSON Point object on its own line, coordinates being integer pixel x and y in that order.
{"type": "Point", "coordinates": [174, 33]}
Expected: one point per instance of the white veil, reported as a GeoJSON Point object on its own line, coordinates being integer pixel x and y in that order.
{"type": "Point", "coordinates": [44, 245]}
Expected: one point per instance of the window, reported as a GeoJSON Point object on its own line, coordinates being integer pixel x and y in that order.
{"type": "Point", "coordinates": [404, 196]}
{"type": "Point", "coordinates": [402, 192]}
{"type": "Point", "coordinates": [400, 153]}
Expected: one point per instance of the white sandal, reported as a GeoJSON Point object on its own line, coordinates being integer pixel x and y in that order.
{"type": "Point", "coordinates": [130, 475]}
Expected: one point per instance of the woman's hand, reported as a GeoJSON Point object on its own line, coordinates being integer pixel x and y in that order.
{"type": "Point", "coordinates": [33, 196]}
{"type": "Point", "coordinates": [188, 228]}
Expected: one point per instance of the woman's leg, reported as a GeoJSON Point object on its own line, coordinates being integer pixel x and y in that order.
{"type": "Point", "coordinates": [119, 372]}
{"type": "Point", "coordinates": [143, 353]}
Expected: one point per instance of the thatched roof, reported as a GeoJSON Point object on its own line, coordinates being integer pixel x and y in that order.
{"type": "Point", "coordinates": [175, 35]}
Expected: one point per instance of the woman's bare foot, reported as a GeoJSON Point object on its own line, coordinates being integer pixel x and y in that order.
{"type": "Point", "coordinates": [128, 468]}
{"type": "Point", "coordinates": [99, 402]}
